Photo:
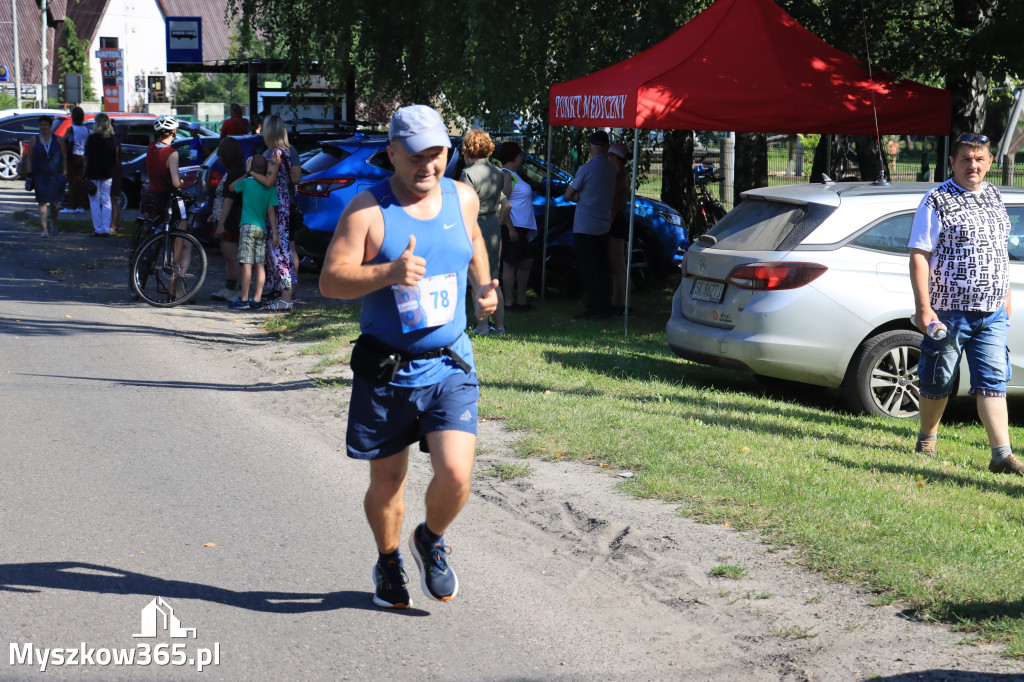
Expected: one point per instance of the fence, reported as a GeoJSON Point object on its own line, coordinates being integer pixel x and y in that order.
{"type": "Point", "coordinates": [789, 163]}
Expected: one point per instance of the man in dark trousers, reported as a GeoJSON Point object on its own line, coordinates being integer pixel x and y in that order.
{"type": "Point", "coordinates": [593, 190]}
{"type": "Point", "coordinates": [407, 247]}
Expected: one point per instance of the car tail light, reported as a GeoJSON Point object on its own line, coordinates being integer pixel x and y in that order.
{"type": "Point", "coordinates": [775, 276]}
{"type": "Point", "coordinates": [323, 188]}
{"type": "Point", "coordinates": [215, 177]}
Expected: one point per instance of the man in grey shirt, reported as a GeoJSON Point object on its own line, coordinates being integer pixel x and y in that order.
{"type": "Point", "coordinates": [593, 190]}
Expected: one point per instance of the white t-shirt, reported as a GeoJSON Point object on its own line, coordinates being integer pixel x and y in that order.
{"type": "Point", "coordinates": [967, 234]}
{"type": "Point", "coordinates": [81, 134]}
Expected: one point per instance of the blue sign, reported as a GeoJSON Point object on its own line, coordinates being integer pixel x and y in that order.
{"type": "Point", "coordinates": [184, 40]}
{"type": "Point", "coordinates": [4, 75]}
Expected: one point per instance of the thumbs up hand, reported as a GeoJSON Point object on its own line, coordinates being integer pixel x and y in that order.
{"type": "Point", "coordinates": [486, 299]}
{"type": "Point", "coordinates": [408, 268]}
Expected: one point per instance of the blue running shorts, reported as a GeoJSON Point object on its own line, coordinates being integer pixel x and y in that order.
{"type": "Point", "coordinates": [384, 419]}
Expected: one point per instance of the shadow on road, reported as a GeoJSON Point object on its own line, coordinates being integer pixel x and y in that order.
{"type": "Point", "coordinates": [72, 575]}
{"type": "Point", "coordinates": [143, 383]}
{"type": "Point", "coordinates": [42, 327]}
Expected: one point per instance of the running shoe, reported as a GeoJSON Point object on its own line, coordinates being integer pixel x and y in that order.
{"type": "Point", "coordinates": [391, 585]}
{"type": "Point", "coordinates": [238, 304]}
{"type": "Point", "coordinates": [437, 578]}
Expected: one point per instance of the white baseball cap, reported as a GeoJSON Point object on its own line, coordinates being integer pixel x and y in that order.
{"type": "Point", "coordinates": [418, 127]}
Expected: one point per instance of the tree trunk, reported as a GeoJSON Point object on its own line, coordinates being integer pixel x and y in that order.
{"type": "Point", "coordinates": [677, 188]}
{"type": "Point", "coordinates": [867, 158]}
{"type": "Point", "coordinates": [751, 161]}
{"type": "Point", "coordinates": [966, 77]}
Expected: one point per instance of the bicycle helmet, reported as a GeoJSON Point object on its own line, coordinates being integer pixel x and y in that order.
{"type": "Point", "coordinates": [165, 123]}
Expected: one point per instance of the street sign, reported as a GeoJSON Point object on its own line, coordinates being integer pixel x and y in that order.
{"type": "Point", "coordinates": [4, 74]}
{"type": "Point", "coordinates": [184, 39]}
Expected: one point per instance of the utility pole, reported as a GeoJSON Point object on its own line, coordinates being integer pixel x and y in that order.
{"type": "Point", "coordinates": [17, 55]}
{"type": "Point", "coordinates": [43, 65]}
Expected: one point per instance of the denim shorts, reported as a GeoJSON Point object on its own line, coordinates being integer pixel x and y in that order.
{"type": "Point", "coordinates": [384, 419]}
{"type": "Point", "coordinates": [982, 336]}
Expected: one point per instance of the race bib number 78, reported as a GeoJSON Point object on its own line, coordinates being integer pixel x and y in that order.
{"type": "Point", "coordinates": [431, 303]}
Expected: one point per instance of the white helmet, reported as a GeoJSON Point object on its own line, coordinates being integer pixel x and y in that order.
{"type": "Point", "coordinates": [165, 123]}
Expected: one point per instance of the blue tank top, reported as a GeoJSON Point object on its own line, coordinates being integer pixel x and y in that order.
{"type": "Point", "coordinates": [442, 241]}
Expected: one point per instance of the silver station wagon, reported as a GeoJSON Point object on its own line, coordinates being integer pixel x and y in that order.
{"type": "Point", "coordinates": [810, 283]}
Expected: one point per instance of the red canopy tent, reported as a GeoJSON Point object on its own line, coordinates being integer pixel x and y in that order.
{"type": "Point", "coordinates": [746, 66]}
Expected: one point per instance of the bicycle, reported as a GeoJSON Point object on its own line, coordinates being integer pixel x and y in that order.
{"type": "Point", "coordinates": [709, 210]}
{"type": "Point", "coordinates": [166, 266]}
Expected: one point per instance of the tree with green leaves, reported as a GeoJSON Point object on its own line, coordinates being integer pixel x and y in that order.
{"type": "Point", "coordinates": [73, 56]}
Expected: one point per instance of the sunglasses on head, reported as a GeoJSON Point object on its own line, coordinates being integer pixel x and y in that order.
{"type": "Point", "coordinates": [971, 137]}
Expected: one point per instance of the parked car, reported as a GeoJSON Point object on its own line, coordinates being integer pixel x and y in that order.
{"type": "Point", "coordinates": [810, 284]}
{"type": "Point", "coordinates": [135, 178]}
{"type": "Point", "coordinates": [305, 134]}
{"type": "Point", "coordinates": [209, 175]}
{"type": "Point", "coordinates": [135, 132]}
{"type": "Point", "coordinates": [15, 131]}
{"type": "Point", "coordinates": [344, 168]}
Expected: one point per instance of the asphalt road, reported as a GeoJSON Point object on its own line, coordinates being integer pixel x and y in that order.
{"type": "Point", "coordinates": [173, 485]}
{"type": "Point", "coordinates": [146, 456]}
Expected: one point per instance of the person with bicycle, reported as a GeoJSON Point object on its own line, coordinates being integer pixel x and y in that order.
{"type": "Point", "coordinates": [164, 183]}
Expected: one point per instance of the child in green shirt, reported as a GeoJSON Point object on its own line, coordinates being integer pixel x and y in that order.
{"type": "Point", "coordinates": [258, 210]}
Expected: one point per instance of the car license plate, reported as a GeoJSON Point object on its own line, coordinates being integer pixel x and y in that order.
{"type": "Point", "coordinates": [706, 290]}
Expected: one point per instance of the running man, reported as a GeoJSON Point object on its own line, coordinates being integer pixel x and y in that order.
{"type": "Point", "coordinates": [407, 247]}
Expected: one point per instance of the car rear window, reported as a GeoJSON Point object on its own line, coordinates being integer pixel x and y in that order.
{"type": "Point", "coordinates": [760, 225]}
{"type": "Point", "coordinates": [328, 156]}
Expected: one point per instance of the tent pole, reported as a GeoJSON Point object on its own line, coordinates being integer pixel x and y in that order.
{"type": "Point", "coordinates": [547, 222]}
{"type": "Point", "coordinates": [632, 217]}
{"type": "Point", "coordinates": [828, 155]}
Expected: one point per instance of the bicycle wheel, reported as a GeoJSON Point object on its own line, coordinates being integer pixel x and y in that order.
{"type": "Point", "coordinates": [699, 226]}
{"type": "Point", "coordinates": [142, 230]}
{"type": "Point", "coordinates": [168, 268]}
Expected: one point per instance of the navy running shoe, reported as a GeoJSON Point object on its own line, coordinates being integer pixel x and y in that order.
{"type": "Point", "coordinates": [391, 585]}
{"type": "Point", "coordinates": [437, 578]}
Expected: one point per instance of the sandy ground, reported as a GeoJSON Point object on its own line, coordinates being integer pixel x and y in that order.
{"type": "Point", "coordinates": [635, 565]}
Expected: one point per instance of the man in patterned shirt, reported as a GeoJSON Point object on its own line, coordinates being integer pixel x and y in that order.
{"type": "Point", "coordinates": [959, 272]}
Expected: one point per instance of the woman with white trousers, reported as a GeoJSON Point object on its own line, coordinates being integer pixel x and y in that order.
{"type": "Point", "coordinates": [101, 155]}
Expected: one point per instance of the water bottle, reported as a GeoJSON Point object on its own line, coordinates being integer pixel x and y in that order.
{"type": "Point", "coordinates": [936, 330]}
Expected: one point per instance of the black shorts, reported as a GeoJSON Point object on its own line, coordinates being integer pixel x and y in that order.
{"type": "Point", "coordinates": [178, 211]}
{"type": "Point", "coordinates": [620, 226]}
{"type": "Point", "coordinates": [516, 252]}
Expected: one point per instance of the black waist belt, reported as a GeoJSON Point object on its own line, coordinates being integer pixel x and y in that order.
{"type": "Point", "coordinates": [378, 362]}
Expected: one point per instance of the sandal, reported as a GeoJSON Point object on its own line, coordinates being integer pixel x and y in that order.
{"type": "Point", "coordinates": [277, 306]}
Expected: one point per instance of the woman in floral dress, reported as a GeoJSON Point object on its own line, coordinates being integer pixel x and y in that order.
{"type": "Point", "coordinates": [280, 266]}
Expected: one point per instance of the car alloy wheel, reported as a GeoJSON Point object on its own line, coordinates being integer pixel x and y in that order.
{"type": "Point", "coordinates": [883, 377]}
{"type": "Point", "coordinates": [9, 165]}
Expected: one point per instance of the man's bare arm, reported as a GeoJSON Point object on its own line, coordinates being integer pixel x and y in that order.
{"type": "Point", "coordinates": [923, 313]}
{"type": "Point", "coordinates": [356, 240]}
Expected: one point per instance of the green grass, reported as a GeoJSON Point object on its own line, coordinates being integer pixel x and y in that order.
{"type": "Point", "coordinates": [728, 571]}
{"type": "Point", "coordinates": [941, 537]}
{"type": "Point", "coordinates": [506, 471]}
{"type": "Point", "coordinates": [80, 224]}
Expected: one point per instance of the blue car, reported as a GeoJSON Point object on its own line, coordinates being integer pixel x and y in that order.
{"type": "Point", "coordinates": [343, 168]}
